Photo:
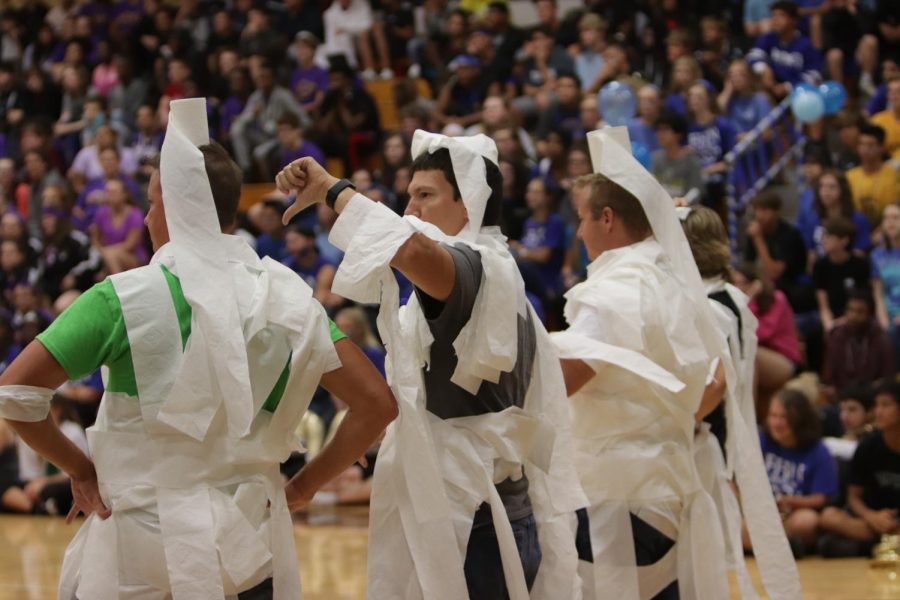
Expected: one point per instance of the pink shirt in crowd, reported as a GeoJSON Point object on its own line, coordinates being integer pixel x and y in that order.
{"type": "Point", "coordinates": [776, 329]}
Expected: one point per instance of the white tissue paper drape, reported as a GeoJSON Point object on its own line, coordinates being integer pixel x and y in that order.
{"type": "Point", "coordinates": [432, 474]}
{"type": "Point", "coordinates": [189, 467]}
{"type": "Point", "coordinates": [634, 423]}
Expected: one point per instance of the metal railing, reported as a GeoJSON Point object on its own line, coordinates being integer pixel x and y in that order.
{"type": "Point", "coordinates": [757, 159]}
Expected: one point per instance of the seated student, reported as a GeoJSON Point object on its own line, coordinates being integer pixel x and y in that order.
{"type": "Point", "coordinates": [13, 498]}
{"type": "Point", "coordinates": [784, 57]}
{"type": "Point", "coordinates": [859, 351]}
{"type": "Point", "coordinates": [266, 216]}
{"type": "Point", "coordinates": [541, 250]}
{"type": "Point", "coordinates": [304, 259]}
{"type": "Point", "coordinates": [779, 249]}
{"type": "Point", "coordinates": [838, 271]}
{"type": "Point", "coordinates": [874, 182]}
{"type": "Point", "coordinates": [291, 146]}
{"type": "Point", "coordinates": [831, 197]}
{"type": "Point", "coordinates": [778, 355]}
{"type": "Point", "coordinates": [353, 322]}
{"type": "Point", "coordinates": [801, 471]}
{"type": "Point", "coordinates": [885, 261]}
{"type": "Point", "coordinates": [889, 120]}
{"type": "Point", "coordinates": [854, 410]}
{"type": "Point", "coordinates": [117, 230]}
{"type": "Point", "coordinates": [45, 484]}
{"type": "Point", "coordinates": [675, 165]}
{"type": "Point", "coordinates": [873, 496]}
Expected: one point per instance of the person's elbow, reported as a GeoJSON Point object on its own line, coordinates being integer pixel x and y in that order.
{"type": "Point", "coordinates": [384, 407]}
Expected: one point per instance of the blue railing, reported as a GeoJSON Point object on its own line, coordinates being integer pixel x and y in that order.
{"type": "Point", "coordinates": [757, 159]}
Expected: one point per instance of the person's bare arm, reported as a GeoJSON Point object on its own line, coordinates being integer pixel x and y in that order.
{"type": "Point", "coordinates": [880, 521]}
{"type": "Point", "coordinates": [814, 501]}
{"type": "Point", "coordinates": [426, 264]}
{"type": "Point", "coordinates": [323, 293]}
{"type": "Point", "coordinates": [576, 373]}
{"type": "Point", "coordinates": [825, 313]}
{"type": "Point", "coordinates": [880, 306]}
{"type": "Point", "coordinates": [712, 393]}
{"type": "Point", "coordinates": [36, 367]}
{"type": "Point", "coordinates": [772, 269]}
{"type": "Point", "coordinates": [371, 408]}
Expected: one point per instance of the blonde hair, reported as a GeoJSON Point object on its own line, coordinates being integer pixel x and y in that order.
{"type": "Point", "coordinates": [359, 319]}
{"type": "Point", "coordinates": [708, 239]}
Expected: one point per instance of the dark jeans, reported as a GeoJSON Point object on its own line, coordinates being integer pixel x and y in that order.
{"type": "Point", "coordinates": [484, 568]}
{"type": "Point", "coordinates": [650, 546]}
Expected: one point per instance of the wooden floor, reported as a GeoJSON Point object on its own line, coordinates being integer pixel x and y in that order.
{"type": "Point", "coordinates": [331, 545]}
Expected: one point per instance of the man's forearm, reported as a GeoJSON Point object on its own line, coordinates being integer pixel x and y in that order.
{"type": "Point", "coordinates": [45, 438]}
{"type": "Point", "coordinates": [356, 433]}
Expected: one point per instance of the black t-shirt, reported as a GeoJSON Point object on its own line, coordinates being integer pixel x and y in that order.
{"type": "Point", "coordinates": [447, 400]}
{"type": "Point", "coordinates": [785, 244]}
{"type": "Point", "coordinates": [876, 468]}
{"type": "Point", "coordinates": [838, 279]}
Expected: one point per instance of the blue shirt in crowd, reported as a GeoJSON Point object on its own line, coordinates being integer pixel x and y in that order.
{"type": "Point", "coordinates": [746, 111]}
{"type": "Point", "coordinates": [549, 234]}
{"type": "Point", "coordinates": [641, 133]}
{"type": "Point", "coordinates": [886, 268]}
{"type": "Point", "coordinates": [810, 226]}
{"type": "Point", "coordinates": [796, 472]}
{"type": "Point", "coordinates": [796, 61]}
{"type": "Point", "coordinates": [711, 142]}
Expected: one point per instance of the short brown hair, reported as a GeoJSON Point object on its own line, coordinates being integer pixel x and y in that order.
{"type": "Point", "coordinates": [708, 239]}
{"type": "Point", "coordinates": [225, 179]}
{"type": "Point", "coordinates": [606, 193]}
{"type": "Point", "coordinates": [767, 199]}
{"type": "Point", "coordinates": [839, 227]}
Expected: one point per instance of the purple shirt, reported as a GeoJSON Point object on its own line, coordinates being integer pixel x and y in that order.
{"type": "Point", "coordinates": [111, 234]}
{"type": "Point", "coordinates": [307, 148]}
{"type": "Point", "coordinates": [229, 111]}
{"type": "Point", "coordinates": [305, 83]}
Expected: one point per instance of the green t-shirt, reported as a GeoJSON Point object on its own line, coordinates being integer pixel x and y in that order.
{"type": "Point", "coordinates": [91, 333]}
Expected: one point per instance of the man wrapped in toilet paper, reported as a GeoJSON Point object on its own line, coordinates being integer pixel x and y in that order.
{"type": "Point", "coordinates": [213, 356]}
{"type": "Point", "coordinates": [474, 492]}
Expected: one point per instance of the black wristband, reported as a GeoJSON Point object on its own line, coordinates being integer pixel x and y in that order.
{"type": "Point", "coordinates": [336, 189]}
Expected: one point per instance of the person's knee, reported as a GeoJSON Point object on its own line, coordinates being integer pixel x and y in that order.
{"type": "Point", "coordinates": [804, 522]}
{"type": "Point", "coordinates": [831, 518]}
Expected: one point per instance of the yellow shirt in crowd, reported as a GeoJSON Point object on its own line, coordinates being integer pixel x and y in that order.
{"type": "Point", "coordinates": [888, 121]}
{"type": "Point", "coordinates": [872, 192]}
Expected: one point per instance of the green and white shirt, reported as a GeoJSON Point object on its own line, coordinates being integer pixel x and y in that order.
{"type": "Point", "coordinates": [92, 333]}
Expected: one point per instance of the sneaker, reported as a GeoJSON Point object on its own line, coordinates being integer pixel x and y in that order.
{"type": "Point", "coordinates": [386, 74]}
{"type": "Point", "coordinates": [836, 546]}
{"type": "Point", "coordinates": [368, 74]}
{"type": "Point", "coordinates": [414, 72]}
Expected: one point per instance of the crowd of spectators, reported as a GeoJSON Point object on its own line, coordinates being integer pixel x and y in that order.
{"type": "Point", "coordinates": [84, 93]}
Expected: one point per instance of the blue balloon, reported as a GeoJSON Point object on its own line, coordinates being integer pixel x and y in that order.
{"type": "Point", "coordinates": [617, 103]}
{"type": "Point", "coordinates": [835, 96]}
{"type": "Point", "coordinates": [802, 87]}
{"type": "Point", "coordinates": [641, 153]}
{"type": "Point", "coordinates": [808, 106]}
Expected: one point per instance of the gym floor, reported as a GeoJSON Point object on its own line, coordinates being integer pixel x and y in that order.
{"type": "Point", "coordinates": [331, 545]}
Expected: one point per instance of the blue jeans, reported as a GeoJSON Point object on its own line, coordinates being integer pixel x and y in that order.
{"type": "Point", "coordinates": [484, 569]}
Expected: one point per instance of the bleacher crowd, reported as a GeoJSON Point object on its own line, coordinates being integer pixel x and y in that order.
{"type": "Point", "coordinates": [84, 93]}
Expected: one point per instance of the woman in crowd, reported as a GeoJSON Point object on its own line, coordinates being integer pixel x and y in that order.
{"type": "Point", "coordinates": [711, 137]}
{"type": "Point", "coordinates": [885, 261]}
{"type": "Point", "coordinates": [741, 101]}
{"type": "Point", "coordinates": [801, 471]}
{"type": "Point", "coordinates": [832, 198]}
{"type": "Point", "coordinates": [778, 355]}
{"type": "Point", "coordinates": [117, 231]}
